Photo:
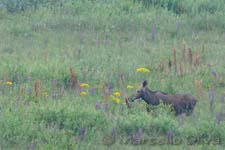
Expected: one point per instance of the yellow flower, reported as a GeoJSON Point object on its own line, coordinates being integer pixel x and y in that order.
{"type": "Point", "coordinates": [45, 94]}
{"type": "Point", "coordinates": [8, 83]}
{"type": "Point", "coordinates": [116, 94]}
{"type": "Point", "coordinates": [84, 85]}
{"type": "Point", "coordinates": [116, 100]}
{"type": "Point", "coordinates": [83, 93]}
{"type": "Point", "coordinates": [130, 87]}
{"type": "Point", "coordinates": [142, 70]}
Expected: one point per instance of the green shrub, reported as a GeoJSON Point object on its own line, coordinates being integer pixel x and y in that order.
{"type": "Point", "coordinates": [15, 6]}
{"type": "Point", "coordinates": [189, 7]}
{"type": "Point", "coordinates": [73, 120]}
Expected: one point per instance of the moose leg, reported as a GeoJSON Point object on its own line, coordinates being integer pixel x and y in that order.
{"type": "Point", "coordinates": [189, 112]}
{"type": "Point", "coordinates": [190, 108]}
{"type": "Point", "coordinates": [178, 110]}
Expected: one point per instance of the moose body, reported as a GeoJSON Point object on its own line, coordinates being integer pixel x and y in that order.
{"type": "Point", "coordinates": [181, 103]}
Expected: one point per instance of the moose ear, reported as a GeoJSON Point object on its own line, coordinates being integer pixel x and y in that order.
{"type": "Point", "coordinates": [145, 83]}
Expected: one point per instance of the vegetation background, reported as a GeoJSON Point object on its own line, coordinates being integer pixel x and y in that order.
{"type": "Point", "coordinates": [48, 48]}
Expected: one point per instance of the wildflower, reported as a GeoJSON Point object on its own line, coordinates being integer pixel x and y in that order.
{"type": "Point", "coordinates": [209, 65]}
{"type": "Point", "coordinates": [222, 98]}
{"type": "Point", "coordinates": [130, 87]}
{"type": "Point", "coordinates": [170, 136]}
{"type": "Point", "coordinates": [84, 85]}
{"type": "Point", "coordinates": [220, 117]}
{"type": "Point", "coordinates": [116, 100]}
{"type": "Point", "coordinates": [45, 94]}
{"type": "Point", "coordinates": [136, 138]}
{"type": "Point", "coordinates": [214, 73]}
{"type": "Point", "coordinates": [142, 70]}
{"type": "Point", "coordinates": [109, 87]}
{"type": "Point", "coordinates": [106, 107]}
{"type": "Point", "coordinates": [8, 83]}
{"type": "Point", "coordinates": [117, 94]}
{"type": "Point", "coordinates": [98, 106]}
{"type": "Point", "coordinates": [81, 134]}
{"type": "Point", "coordinates": [211, 94]}
{"type": "Point", "coordinates": [54, 82]}
{"type": "Point", "coordinates": [92, 91]}
{"type": "Point", "coordinates": [83, 93]}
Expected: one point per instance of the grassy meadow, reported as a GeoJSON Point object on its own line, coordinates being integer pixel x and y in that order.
{"type": "Point", "coordinates": [48, 50]}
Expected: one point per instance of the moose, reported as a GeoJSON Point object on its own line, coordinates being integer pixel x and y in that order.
{"type": "Point", "coordinates": [181, 103]}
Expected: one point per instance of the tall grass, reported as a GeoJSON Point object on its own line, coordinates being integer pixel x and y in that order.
{"type": "Point", "coordinates": [47, 50]}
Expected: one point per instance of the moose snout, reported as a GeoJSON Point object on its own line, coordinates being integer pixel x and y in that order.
{"type": "Point", "coordinates": [132, 98]}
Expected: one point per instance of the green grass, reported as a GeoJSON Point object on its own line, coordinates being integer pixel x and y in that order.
{"type": "Point", "coordinates": [102, 41]}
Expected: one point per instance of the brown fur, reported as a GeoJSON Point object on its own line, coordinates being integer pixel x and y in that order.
{"type": "Point", "coordinates": [181, 103]}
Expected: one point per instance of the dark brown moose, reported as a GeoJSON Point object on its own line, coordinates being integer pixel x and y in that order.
{"type": "Point", "coordinates": [181, 103]}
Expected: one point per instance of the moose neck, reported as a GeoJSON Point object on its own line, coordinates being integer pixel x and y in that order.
{"type": "Point", "coordinates": [150, 98]}
{"type": "Point", "coordinates": [164, 97]}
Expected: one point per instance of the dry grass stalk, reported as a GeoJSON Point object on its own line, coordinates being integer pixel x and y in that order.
{"type": "Point", "coordinates": [184, 51]}
{"type": "Point", "coordinates": [36, 88]}
{"type": "Point", "coordinates": [127, 103]}
{"type": "Point", "coordinates": [196, 59]}
{"type": "Point", "coordinates": [103, 92]}
{"type": "Point", "coordinates": [218, 80]}
{"type": "Point", "coordinates": [160, 66]}
{"type": "Point", "coordinates": [190, 56]}
{"type": "Point", "coordinates": [203, 53]}
{"type": "Point", "coordinates": [121, 79]}
{"type": "Point", "coordinates": [166, 68]}
{"type": "Point", "coordinates": [199, 87]}
{"type": "Point", "coordinates": [170, 64]}
{"type": "Point", "coordinates": [181, 69]}
{"type": "Point", "coordinates": [73, 79]}
{"type": "Point", "coordinates": [175, 59]}
{"type": "Point", "coordinates": [22, 90]}
{"type": "Point", "coordinates": [46, 56]}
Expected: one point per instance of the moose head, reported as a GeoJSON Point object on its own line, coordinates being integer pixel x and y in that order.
{"type": "Point", "coordinates": [144, 93]}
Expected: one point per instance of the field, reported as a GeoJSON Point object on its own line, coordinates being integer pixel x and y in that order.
{"type": "Point", "coordinates": [66, 68]}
